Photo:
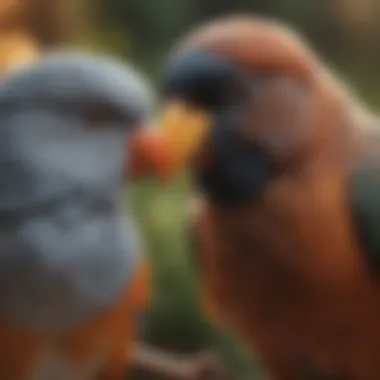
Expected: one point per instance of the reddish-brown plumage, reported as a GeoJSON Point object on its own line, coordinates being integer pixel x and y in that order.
{"type": "Point", "coordinates": [105, 342]}
{"type": "Point", "coordinates": [287, 272]}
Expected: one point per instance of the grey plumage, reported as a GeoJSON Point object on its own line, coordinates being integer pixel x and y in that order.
{"type": "Point", "coordinates": [80, 78]}
{"type": "Point", "coordinates": [66, 250]}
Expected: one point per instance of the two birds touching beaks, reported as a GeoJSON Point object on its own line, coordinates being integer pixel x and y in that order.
{"type": "Point", "coordinates": [285, 224]}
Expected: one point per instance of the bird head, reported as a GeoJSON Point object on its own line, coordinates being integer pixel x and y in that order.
{"type": "Point", "coordinates": [70, 121]}
{"type": "Point", "coordinates": [244, 98]}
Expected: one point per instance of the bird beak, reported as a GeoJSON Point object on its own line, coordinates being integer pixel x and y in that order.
{"type": "Point", "coordinates": [150, 154]}
{"type": "Point", "coordinates": [163, 151]}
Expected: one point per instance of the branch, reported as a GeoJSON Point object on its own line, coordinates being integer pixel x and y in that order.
{"type": "Point", "coordinates": [205, 366]}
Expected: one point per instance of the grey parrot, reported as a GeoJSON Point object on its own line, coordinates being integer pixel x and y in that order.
{"type": "Point", "coordinates": [72, 277]}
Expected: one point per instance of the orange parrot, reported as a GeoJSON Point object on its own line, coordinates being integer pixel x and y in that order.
{"type": "Point", "coordinates": [287, 229]}
{"type": "Point", "coordinates": [72, 278]}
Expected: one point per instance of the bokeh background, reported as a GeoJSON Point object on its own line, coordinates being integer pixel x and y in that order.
{"type": "Point", "coordinates": [346, 33]}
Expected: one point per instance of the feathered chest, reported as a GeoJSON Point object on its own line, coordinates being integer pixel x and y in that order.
{"type": "Point", "coordinates": [293, 246]}
{"type": "Point", "coordinates": [64, 265]}
{"type": "Point", "coordinates": [293, 276]}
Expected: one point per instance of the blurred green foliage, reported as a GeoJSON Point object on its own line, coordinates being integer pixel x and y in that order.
{"type": "Point", "coordinates": [345, 32]}
{"type": "Point", "coordinates": [175, 320]}
{"type": "Point", "coordinates": [143, 31]}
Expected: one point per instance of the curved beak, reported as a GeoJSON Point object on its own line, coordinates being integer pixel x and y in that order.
{"type": "Point", "coordinates": [164, 150]}
{"type": "Point", "coordinates": [150, 154]}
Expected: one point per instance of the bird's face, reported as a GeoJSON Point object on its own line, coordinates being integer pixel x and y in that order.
{"type": "Point", "coordinates": [71, 121]}
{"type": "Point", "coordinates": [239, 120]}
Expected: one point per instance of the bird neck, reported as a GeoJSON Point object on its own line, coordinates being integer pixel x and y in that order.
{"type": "Point", "coordinates": [17, 49]}
{"type": "Point", "coordinates": [237, 173]}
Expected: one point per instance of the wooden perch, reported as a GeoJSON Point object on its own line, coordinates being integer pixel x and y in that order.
{"type": "Point", "coordinates": [205, 366]}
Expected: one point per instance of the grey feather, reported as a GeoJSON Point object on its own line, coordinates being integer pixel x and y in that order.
{"type": "Point", "coordinates": [80, 78]}
{"type": "Point", "coordinates": [66, 250]}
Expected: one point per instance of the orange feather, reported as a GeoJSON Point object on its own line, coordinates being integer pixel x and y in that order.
{"type": "Point", "coordinates": [287, 273]}
{"type": "Point", "coordinates": [106, 342]}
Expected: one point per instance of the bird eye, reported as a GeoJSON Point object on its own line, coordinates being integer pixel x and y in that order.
{"type": "Point", "coordinates": [102, 116]}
